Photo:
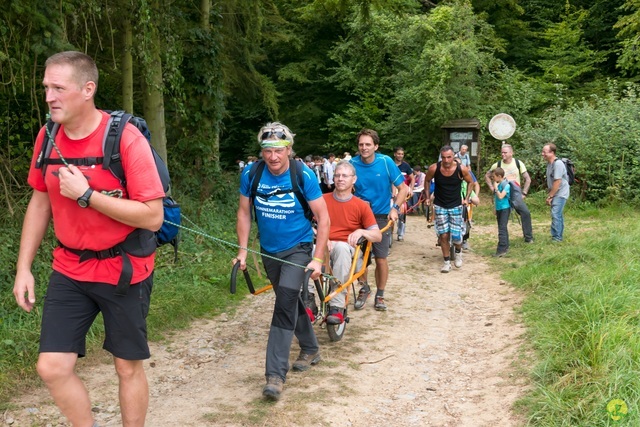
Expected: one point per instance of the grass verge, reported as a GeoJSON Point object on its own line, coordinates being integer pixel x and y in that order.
{"type": "Point", "coordinates": [582, 313]}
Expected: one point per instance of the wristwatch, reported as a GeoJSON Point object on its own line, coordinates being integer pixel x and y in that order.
{"type": "Point", "coordinates": [396, 207]}
{"type": "Point", "coordinates": [83, 201]}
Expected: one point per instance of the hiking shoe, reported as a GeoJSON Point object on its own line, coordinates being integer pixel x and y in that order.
{"type": "Point", "coordinates": [400, 238]}
{"type": "Point", "coordinates": [458, 261]}
{"type": "Point", "coordinates": [446, 267]}
{"type": "Point", "coordinates": [380, 305]}
{"type": "Point", "coordinates": [304, 361]}
{"type": "Point", "coordinates": [499, 254]}
{"type": "Point", "coordinates": [465, 246]}
{"type": "Point", "coordinates": [273, 389]}
{"type": "Point", "coordinates": [363, 294]}
{"type": "Point", "coordinates": [528, 240]}
{"type": "Point", "coordinates": [336, 316]}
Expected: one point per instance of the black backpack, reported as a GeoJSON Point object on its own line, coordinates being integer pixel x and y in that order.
{"type": "Point", "coordinates": [571, 170]}
{"type": "Point", "coordinates": [297, 182]}
{"type": "Point", "coordinates": [111, 160]}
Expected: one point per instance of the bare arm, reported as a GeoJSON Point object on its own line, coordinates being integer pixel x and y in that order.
{"type": "Point", "coordinates": [36, 221]}
{"type": "Point", "coordinates": [527, 183]}
{"type": "Point", "coordinates": [553, 190]}
{"type": "Point", "coordinates": [501, 194]}
{"type": "Point", "coordinates": [147, 215]}
{"type": "Point", "coordinates": [400, 198]}
{"type": "Point", "coordinates": [243, 227]}
{"type": "Point", "coordinates": [469, 179]}
{"type": "Point", "coordinates": [427, 182]}
{"type": "Point", "coordinates": [319, 209]}
{"type": "Point", "coordinates": [488, 179]}
{"type": "Point", "coordinates": [373, 235]}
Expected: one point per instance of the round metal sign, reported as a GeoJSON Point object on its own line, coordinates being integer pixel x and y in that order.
{"type": "Point", "coordinates": [502, 126]}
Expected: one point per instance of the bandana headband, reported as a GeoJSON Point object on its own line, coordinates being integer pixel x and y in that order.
{"type": "Point", "coordinates": [275, 143]}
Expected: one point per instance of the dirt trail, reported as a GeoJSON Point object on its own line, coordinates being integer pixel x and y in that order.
{"type": "Point", "coordinates": [444, 354]}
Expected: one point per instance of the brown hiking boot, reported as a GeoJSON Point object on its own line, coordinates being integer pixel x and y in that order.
{"type": "Point", "coordinates": [273, 389]}
{"type": "Point", "coordinates": [363, 294]}
{"type": "Point", "coordinates": [304, 361]}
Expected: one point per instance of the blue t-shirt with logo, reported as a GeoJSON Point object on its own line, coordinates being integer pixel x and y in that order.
{"type": "Point", "coordinates": [280, 218]}
{"type": "Point", "coordinates": [375, 181]}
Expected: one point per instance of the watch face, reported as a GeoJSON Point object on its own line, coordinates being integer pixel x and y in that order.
{"type": "Point", "coordinates": [83, 203]}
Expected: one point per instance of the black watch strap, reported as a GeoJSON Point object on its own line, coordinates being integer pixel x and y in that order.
{"type": "Point", "coordinates": [83, 201]}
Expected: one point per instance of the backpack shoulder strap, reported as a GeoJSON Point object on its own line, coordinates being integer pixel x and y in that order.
{"type": "Point", "coordinates": [297, 184]}
{"type": "Point", "coordinates": [51, 130]}
{"type": "Point", "coordinates": [499, 164]}
{"type": "Point", "coordinates": [255, 173]}
{"type": "Point", "coordinates": [111, 144]}
{"type": "Point", "coordinates": [518, 166]}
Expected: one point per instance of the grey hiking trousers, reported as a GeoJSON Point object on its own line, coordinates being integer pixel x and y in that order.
{"type": "Point", "coordinates": [521, 209]}
{"type": "Point", "coordinates": [289, 315]}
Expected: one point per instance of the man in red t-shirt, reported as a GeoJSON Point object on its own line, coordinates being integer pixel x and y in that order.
{"type": "Point", "coordinates": [351, 219]}
{"type": "Point", "coordinates": [91, 213]}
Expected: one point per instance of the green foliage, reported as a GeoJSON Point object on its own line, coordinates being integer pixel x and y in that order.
{"type": "Point", "coordinates": [599, 136]}
{"type": "Point", "coordinates": [567, 60]}
{"type": "Point", "coordinates": [629, 26]}
{"type": "Point", "coordinates": [410, 73]}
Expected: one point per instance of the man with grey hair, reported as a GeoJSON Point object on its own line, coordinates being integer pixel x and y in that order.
{"type": "Point", "coordinates": [463, 155]}
{"type": "Point", "coordinates": [514, 169]}
{"type": "Point", "coordinates": [351, 219]}
{"type": "Point", "coordinates": [286, 240]}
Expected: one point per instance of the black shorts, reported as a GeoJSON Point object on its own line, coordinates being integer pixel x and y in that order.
{"type": "Point", "coordinates": [71, 306]}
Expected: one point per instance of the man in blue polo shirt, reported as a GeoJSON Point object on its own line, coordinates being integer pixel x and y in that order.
{"type": "Point", "coordinates": [377, 175]}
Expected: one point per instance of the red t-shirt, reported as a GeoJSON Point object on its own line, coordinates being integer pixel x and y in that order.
{"type": "Point", "coordinates": [87, 228]}
{"type": "Point", "coordinates": [348, 216]}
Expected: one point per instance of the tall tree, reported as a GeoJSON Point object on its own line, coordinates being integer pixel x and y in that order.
{"type": "Point", "coordinates": [629, 34]}
{"type": "Point", "coordinates": [567, 59]}
{"type": "Point", "coordinates": [151, 46]}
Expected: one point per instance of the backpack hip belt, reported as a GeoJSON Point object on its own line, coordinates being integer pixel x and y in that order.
{"type": "Point", "coordinates": [139, 243]}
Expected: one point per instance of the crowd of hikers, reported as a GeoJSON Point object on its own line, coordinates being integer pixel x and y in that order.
{"type": "Point", "coordinates": [309, 213]}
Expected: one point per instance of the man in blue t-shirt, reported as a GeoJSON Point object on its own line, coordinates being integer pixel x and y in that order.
{"type": "Point", "coordinates": [377, 175]}
{"type": "Point", "coordinates": [285, 235]}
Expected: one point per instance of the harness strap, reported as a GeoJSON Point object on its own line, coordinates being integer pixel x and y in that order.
{"type": "Point", "coordinates": [138, 243]}
{"type": "Point", "coordinates": [82, 161]}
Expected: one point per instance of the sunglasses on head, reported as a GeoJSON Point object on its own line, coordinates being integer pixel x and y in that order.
{"type": "Point", "coordinates": [278, 133]}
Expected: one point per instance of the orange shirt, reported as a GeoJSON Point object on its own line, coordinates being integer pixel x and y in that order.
{"type": "Point", "coordinates": [348, 216]}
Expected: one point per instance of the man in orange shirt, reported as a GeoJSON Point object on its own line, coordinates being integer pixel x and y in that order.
{"type": "Point", "coordinates": [351, 218]}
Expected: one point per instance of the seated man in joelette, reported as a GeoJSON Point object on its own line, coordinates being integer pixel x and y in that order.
{"type": "Point", "coordinates": [351, 218]}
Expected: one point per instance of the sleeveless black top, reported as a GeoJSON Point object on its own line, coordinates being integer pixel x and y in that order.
{"type": "Point", "coordinates": [448, 188]}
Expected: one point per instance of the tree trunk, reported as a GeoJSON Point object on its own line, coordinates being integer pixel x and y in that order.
{"type": "Point", "coordinates": [153, 95]}
{"type": "Point", "coordinates": [127, 66]}
{"type": "Point", "coordinates": [210, 124]}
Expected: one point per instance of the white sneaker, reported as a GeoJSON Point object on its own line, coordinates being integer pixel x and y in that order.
{"type": "Point", "coordinates": [458, 261]}
{"type": "Point", "coordinates": [446, 267]}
